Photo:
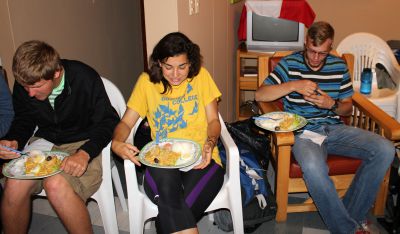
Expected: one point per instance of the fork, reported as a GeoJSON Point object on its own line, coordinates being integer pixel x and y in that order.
{"type": "Point", "coordinates": [13, 150]}
{"type": "Point", "coordinates": [157, 137]}
{"type": "Point", "coordinates": [265, 118]}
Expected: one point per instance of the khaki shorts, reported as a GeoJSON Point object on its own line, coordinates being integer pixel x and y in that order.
{"type": "Point", "coordinates": [86, 185]}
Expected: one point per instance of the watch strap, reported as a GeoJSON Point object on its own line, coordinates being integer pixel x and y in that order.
{"type": "Point", "coordinates": [335, 106]}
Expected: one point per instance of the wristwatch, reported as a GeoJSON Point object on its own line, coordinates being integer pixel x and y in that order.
{"type": "Point", "coordinates": [335, 106]}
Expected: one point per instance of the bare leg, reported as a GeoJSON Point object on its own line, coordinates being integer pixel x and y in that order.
{"type": "Point", "coordinates": [16, 205]}
{"type": "Point", "coordinates": [70, 208]}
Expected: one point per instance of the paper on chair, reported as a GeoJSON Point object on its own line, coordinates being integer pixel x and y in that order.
{"type": "Point", "coordinates": [313, 136]}
{"type": "Point", "coordinates": [40, 144]}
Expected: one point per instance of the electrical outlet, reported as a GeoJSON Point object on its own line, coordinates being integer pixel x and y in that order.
{"type": "Point", "coordinates": [191, 7]}
{"type": "Point", "coordinates": [196, 6]}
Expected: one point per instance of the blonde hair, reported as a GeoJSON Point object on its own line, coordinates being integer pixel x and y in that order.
{"type": "Point", "coordinates": [35, 60]}
{"type": "Point", "coordinates": [319, 32]}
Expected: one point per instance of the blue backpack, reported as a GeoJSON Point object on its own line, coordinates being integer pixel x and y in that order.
{"type": "Point", "coordinates": [251, 176]}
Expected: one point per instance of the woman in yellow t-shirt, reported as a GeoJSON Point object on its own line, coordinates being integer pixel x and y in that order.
{"type": "Point", "coordinates": [179, 99]}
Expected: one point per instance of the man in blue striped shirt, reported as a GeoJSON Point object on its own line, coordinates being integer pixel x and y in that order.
{"type": "Point", "coordinates": [316, 85]}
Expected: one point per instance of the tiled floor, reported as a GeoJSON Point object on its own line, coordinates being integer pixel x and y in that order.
{"type": "Point", "coordinates": [45, 222]}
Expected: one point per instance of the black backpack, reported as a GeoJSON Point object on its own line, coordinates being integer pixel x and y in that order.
{"type": "Point", "coordinates": [254, 150]}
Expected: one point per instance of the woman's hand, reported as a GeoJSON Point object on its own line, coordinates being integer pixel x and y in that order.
{"type": "Point", "coordinates": [206, 154]}
{"type": "Point", "coordinates": [125, 151]}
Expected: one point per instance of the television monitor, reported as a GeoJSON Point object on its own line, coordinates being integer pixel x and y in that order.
{"type": "Point", "coordinates": [270, 34]}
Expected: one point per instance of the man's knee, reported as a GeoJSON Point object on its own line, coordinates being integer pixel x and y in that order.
{"type": "Point", "coordinates": [385, 150]}
{"type": "Point", "coordinates": [17, 190]}
{"type": "Point", "coordinates": [55, 186]}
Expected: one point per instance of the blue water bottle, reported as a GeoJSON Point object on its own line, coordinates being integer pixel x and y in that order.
{"type": "Point", "coordinates": [366, 81]}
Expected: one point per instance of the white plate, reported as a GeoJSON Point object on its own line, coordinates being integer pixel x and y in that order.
{"type": "Point", "coordinates": [190, 156]}
{"type": "Point", "coordinates": [15, 169]}
{"type": "Point", "coordinates": [276, 118]}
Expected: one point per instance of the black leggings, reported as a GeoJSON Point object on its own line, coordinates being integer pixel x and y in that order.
{"type": "Point", "coordinates": [182, 197]}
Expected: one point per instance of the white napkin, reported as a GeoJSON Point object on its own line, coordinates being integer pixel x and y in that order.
{"type": "Point", "coordinates": [188, 168]}
{"type": "Point", "coordinates": [40, 144]}
{"type": "Point", "coordinates": [313, 136]}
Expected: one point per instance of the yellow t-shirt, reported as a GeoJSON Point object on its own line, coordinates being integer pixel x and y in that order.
{"type": "Point", "coordinates": [180, 113]}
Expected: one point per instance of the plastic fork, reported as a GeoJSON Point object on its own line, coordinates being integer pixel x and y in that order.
{"type": "Point", "coordinates": [157, 138]}
{"type": "Point", "coordinates": [265, 118]}
{"type": "Point", "coordinates": [13, 150]}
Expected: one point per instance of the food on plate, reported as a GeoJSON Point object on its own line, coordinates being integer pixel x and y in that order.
{"type": "Point", "coordinates": [162, 155]}
{"type": "Point", "coordinates": [168, 154]}
{"type": "Point", "coordinates": [286, 122]}
{"type": "Point", "coordinates": [41, 165]}
{"type": "Point", "coordinates": [281, 121]}
{"type": "Point", "coordinates": [184, 148]}
{"type": "Point", "coordinates": [272, 122]}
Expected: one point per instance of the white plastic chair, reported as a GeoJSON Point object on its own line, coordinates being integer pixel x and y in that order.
{"type": "Point", "coordinates": [369, 50]}
{"type": "Point", "coordinates": [229, 197]}
{"type": "Point", "coordinates": [118, 102]}
{"type": "Point", "coordinates": [104, 196]}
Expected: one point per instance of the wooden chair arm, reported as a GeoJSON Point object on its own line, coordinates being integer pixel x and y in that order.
{"type": "Point", "coordinates": [281, 142]}
{"type": "Point", "coordinates": [389, 126]}
{"type": "Point", "coordinates": [283, 138]}
{"type": "Point", "coordinates": [266, 107]}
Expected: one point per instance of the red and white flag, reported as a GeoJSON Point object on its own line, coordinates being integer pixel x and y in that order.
{"type": "Point", "coordinates": [296, 10]}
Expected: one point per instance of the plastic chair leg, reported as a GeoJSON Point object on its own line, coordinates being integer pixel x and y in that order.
{"type": "Point", "coordinates": [137, 225]}
{"type": "Point", "coordinates": [236, 213]}
{"type": "Point", "coordinates": [105, 200]}
{"type": "Point", "coordinates": [118, 187]}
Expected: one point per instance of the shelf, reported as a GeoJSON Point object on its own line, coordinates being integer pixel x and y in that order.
{"type": "Point", "coordinates": [246, 80]}
{"type": "Point", "coordinates": [248, 83]}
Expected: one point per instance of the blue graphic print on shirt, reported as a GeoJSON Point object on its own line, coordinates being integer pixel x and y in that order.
{"type": "Point", "coordinates": [169, 119]}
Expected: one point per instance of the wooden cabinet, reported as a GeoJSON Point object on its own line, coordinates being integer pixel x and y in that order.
{"type": "Point", "coordinates": [246, 80]}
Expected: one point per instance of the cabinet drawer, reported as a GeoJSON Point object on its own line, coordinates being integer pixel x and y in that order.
{"type": "Point", "coordinates": [248, 83]}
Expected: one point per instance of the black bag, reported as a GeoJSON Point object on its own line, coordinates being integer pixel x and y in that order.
{"type": "Point", "coordinates": [247, 133]}
{"type": "Point", "coordinates": [251, 144]}
{"type": "Point", "coordinates": [253, 215]}
{"type": "Point", "coordinates": [391, 221]}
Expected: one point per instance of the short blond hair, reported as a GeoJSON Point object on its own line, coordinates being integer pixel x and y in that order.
{"type": "Point", "coordinates": [319, 32]}
{"type": "Point", "coordinates": [35, 60]}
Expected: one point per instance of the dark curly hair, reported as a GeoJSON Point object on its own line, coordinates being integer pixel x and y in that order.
{"type": "Point", "coordinates": [174, 44]}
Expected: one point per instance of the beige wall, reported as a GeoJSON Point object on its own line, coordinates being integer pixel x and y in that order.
{"type": "Point", "coordinates": [214, 29]}
{"type": "Point", "coordinates": [105, 34]}
{"type": "Point", "coordinates": [374, 16]}
{"type": "Point", "coordinates": [161, 17]}
{"type": "Point", "coordinates": [6, 39]}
